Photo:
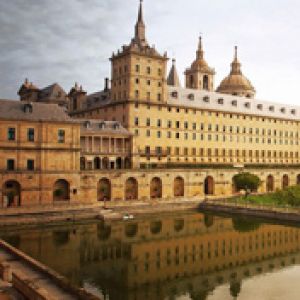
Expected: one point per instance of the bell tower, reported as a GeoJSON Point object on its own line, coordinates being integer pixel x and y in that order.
{"type": "Point", "coordinates": [138, 70]}
{"type": "Point", "coordinates": [200, 76]}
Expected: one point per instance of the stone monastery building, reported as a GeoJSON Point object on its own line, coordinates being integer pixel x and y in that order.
{"type": "Point", "coordinates": [144, 136]}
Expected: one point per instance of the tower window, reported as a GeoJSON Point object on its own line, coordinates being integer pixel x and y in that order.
{"type": "Point", "coordinates": [148, 70]}
{"type": "Point", "coordinates": [136, 94]}
{"type": "Point", "coordinates": [137, 68]}
{"type": "Point", "coordinates": [205, 82]}
{"type": "Point", "coordinates": [159, 72]}
{"type": "Point", "coordinates": [159, 97]}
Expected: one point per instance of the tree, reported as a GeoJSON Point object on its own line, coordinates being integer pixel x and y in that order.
{"type": "Point", "coordinates": [247, 182]}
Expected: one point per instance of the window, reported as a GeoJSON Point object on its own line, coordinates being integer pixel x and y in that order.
{"type": "Point", "coordinates": [148, 96]}
{"type": "Point", "coordinates": [137, 68]}
{"type": "Point", "coordinates": [159, 97]}
{"type": "Point", "coordinates": [148, 70]}
{"type": "Point", "coordinates": [158, 123]}
{"type": "Point", "coordinates": [147, 149]}
{"type": "Point", "coordinates": [148, 133]}
{"type": "Point", "coordinates": [148, 123]}
{"type": "Point", "coordinates": [11, 134]}
{"type": "Point", "coordinates": [30, 134]}
{"type": "Point", "coordinates": [61, 136]}
{"type": "Point", "coordinates": [136, 121]}
{"type": "Point", "coordinates": [10, 164]}
{"type": "Point", "coordinates": [159, 72]}
{"type": "Point", "coordinates": [136, 94]}
{"type": "Point", "coordinates": [30, 164]}
{"type": "Point", "coordinates": [159, 134]}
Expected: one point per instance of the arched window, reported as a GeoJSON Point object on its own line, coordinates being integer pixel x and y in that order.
{"type": "Point", "coordinates": [104, 190]}
{"type": "Point", "coordinates": [205, 82]}
{"type": "Point", "coordinates": [61, 190]}
{"type": "Point", "coordinates": [156, 188]}
{"type": "Point", "coordinates": [178, 187]}
{"type": "Point", "coordinates": [131, 189]}
{"type": "Point", "coordinates": [209, 185]}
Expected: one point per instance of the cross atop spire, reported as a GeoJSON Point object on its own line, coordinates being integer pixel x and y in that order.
{"type": "Point", "coordinates": [200, 52]}
{"type": "Point", "coordinates": [236, 65]}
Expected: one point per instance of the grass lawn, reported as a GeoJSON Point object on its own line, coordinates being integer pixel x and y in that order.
{"type": "Point", "coordinates": [288, 197]}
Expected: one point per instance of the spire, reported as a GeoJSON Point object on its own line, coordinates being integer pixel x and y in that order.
{"type": "Point", "coordinates": [140, 35]}
{"type": "Point", "coordinates": [140, 16]}
{"type": "Point", "coordinates": [236, 65]}
{"type": "Point", "coordinates": [200, 52]}
{"type": "Point", "coordinates": [173, 78]}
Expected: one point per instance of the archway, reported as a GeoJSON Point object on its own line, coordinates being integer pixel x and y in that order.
{"type": "Point", "coordinates": [270, 183]}
{"type": "Point", "coordinates": [209, 185]}
{"type": "Point", "coordinates": [119, 163]}
{"type": "Point", "coordinates": [105, 163]}
{"type": "Point", "coordinates": [11, 191]}
{"type": "Point", "coordinates": [97, 163]}
{"type": "Point", "coordinates": [61, 190]}
{"type": "Point", "coordinates": [156, 188]}
{"type": "Point", "coordinates": [179, 187]}
{"type": "Point", "coordinates": [131, 189]}
{"type": "Point", "coordinates": [104, 190]}
{"type": "Point", "coordinates": [285, 181]}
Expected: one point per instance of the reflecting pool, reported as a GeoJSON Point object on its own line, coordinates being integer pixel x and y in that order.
{"type": "Point", "coordinates": [186, 255]}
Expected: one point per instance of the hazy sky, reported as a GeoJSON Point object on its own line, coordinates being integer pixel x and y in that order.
{"type": "Point", "coordinates": [71, 40]}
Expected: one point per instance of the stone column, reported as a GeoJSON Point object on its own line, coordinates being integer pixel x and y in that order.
{"type": "Point", "coordinates": [93, 144]}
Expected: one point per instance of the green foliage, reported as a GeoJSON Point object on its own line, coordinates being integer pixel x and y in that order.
{"type": "Point", "coordinates": [289, 196]}
{"type": "Point", "coordinates": [246, 181]}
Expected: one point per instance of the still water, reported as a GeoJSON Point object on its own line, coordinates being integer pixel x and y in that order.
{"type": "Point", "coordinates": [171, 256]}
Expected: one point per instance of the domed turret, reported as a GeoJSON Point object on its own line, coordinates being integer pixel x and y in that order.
{"type": "Point", "coordinates": [236, 83]}
{"type": "Point", "coordinates": [200, 76]}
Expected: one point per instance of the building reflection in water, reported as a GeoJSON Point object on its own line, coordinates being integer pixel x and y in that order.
{"type": "Point", "coordinates": [161, 257]}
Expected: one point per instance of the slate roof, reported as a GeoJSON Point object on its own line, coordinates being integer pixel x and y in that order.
{"type": "Point", "coordinates": [33, 111]}
{"type": "Point", "coordinates": [100, 126]}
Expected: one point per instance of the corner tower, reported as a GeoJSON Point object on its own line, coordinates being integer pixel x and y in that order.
{"type": "Point", "coordinates": [200, 76]}
{"type": "Point", "coordinates": [138, 70]}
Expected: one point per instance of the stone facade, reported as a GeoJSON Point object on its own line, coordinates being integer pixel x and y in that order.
{"type": "Point", "coordinates": [174, 142]}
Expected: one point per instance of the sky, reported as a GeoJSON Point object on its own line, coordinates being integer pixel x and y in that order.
{"type": "Point", "coordinates": [70, 41]}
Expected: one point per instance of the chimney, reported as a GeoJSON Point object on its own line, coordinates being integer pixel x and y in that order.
{"type": "Point", "coordinates": [106, 84]}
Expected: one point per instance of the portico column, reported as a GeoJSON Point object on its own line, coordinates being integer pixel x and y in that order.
{"type": "Point", "coordinates": [93, 144]}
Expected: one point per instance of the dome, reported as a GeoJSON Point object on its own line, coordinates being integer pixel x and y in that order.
{"type": "Point", "coordinates": [236, 83]}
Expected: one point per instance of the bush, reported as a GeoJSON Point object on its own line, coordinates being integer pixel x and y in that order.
{"type": "Point", "coordinates": [247, 182]}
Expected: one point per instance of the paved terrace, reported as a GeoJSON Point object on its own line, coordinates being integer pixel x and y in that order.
{"type": "Point", "coordinates": [33, 280]}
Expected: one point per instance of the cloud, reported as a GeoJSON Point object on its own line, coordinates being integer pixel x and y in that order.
{"type": "Point", "coordinates": [71, 40]}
